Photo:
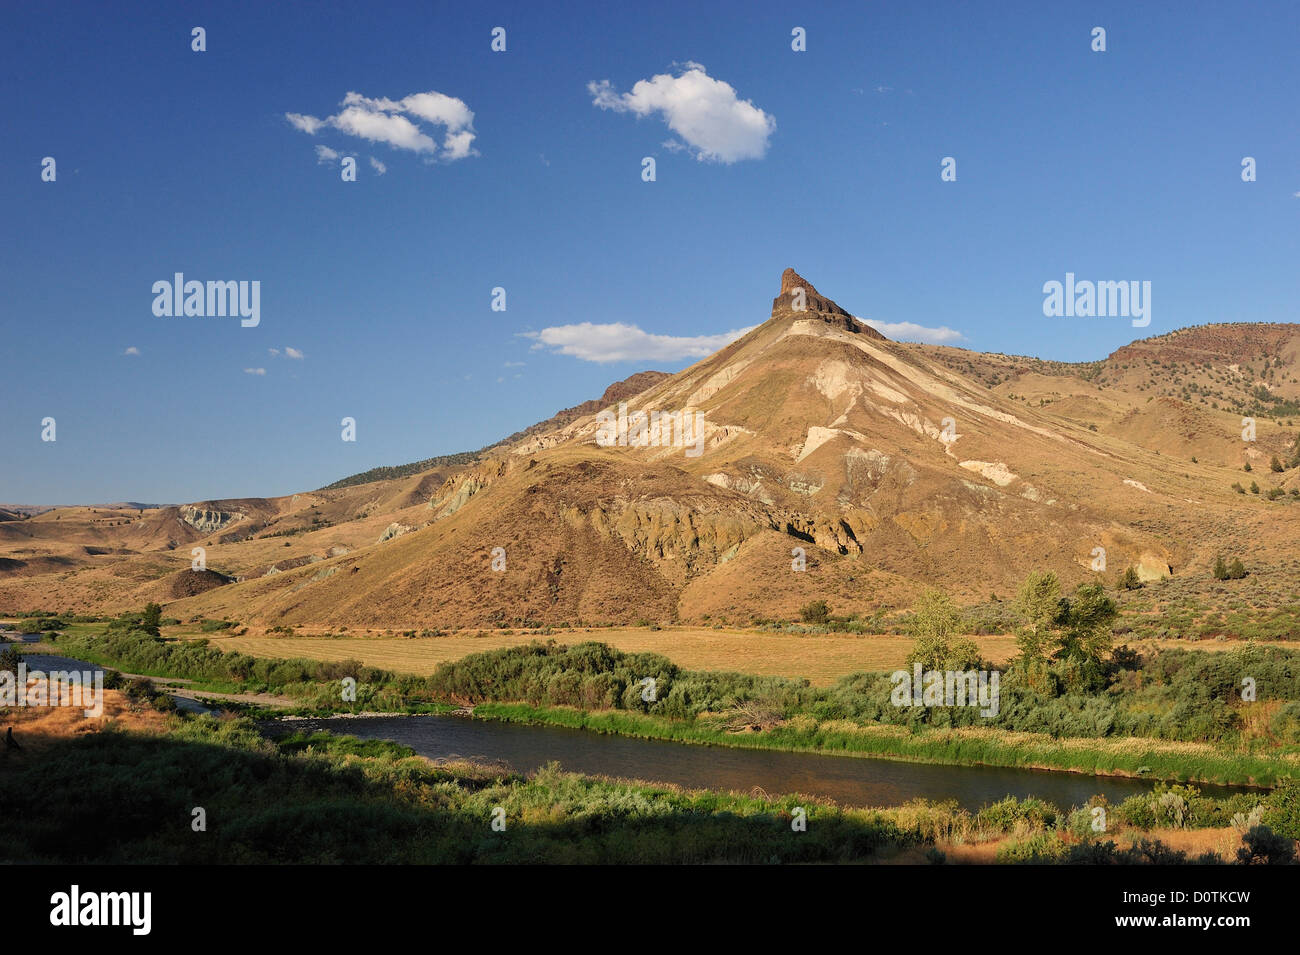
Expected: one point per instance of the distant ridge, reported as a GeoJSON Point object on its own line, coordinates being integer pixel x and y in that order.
{"type": "Point", "coordinates": [405, 470]}
{"type": "Point", "coordinates": [619, 390]}
{"type": "Point", "coordinates": [31, 510]}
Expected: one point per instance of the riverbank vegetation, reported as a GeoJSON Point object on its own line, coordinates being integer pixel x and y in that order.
{"type": "Point", "coordinates": [1175, 714]}
{"type": "Point", "coordinates": [133, 795]}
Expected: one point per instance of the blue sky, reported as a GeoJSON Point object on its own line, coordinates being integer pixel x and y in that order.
{"type": "Point", "coordinates": [1123, 165]}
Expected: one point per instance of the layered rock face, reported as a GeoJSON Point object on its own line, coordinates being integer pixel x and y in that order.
{"type": "Point", "coordinates": [798, 299]}
{"type": "Point", "coordinates": [208, 520]}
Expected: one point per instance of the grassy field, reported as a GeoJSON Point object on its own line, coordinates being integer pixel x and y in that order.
{"type": "Point", "coordinates": [821, 659]}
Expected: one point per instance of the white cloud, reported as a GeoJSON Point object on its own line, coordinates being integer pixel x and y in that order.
{"type": "Point", "coordinates": [397, 131]}
{"type": "Point", "coordinates": [293, 353]}
{"type": "Point", "coordinates": [377, 166]}
{"type": "Point", "coordinates": [324, 154]}
{"type": "Point", "coordinates": [131, 351]}
{"type": "Point", "coordinates": [514, 364]}
{"type": "Point", "coordinates": [617, 341]}
{"type": "Point", "coordinates": [387, 121]}
{"type": "Point", "coordinates": [458, 145]}
{"type": "Point", "coordinates": [438, 108]}
{"type": "Point", "coordinates": [308, 124]}
{"type": "Point", "coordinates": [912, 332]}
{"type": "Point", "coordinates": [274, 352]}
{"type": "Point", "coordinates": [255, 371]}
{"type": "Point", "coordinates": [706, 113]}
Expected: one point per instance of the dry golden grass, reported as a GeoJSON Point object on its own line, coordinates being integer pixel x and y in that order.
{"type": "Point", "coordinates": [38, 726]}
{"type": "Point", "coordinates": [822, 659]}
{"type": "Point", "coordinates": [1225, 841]}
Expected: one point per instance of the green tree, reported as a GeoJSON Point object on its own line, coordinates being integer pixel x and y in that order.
{"type": "Point", "coordinates": [152, 618]}
{"type": "Point", "coordinates": [1220, 568]}
{"type": "Point", "coordinates": [1075, 633]}
{"type": "Point", "coordinates": [937, 626]}
{"type": "Point", "coordinates": [1039, 602]}
{"type": "Point", "coordinates": [1129, 580]}
{"type": "Point", "coordinates": [1086, 632]}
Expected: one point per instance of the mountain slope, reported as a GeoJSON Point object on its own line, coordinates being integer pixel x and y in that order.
{"type": "Point", "coordinates": [881, 467]}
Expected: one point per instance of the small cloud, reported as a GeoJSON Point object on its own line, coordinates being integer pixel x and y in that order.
{"type": "Point", "coordinates": [382, 120]}
{"type": "Point", "coordinates": [132, 351]}
{"type": "Point", "coordinates": [912, 332]}
{"type": "Point", "coordinates": [514, 364]}
{"type": "Point", "coordinates": [1295, 195]}
{"type": "Point", "coordinates": [705, 113]}
{"type": "Point", "coordinates": [255, 371]}
{"type": "Point", "coordinates": [273, 352]}
{"type": "Point", "coordinates": [293, 353]}
{"type": "Point", "coordinates": [545, 161]}
{"type": "Point", "coordinates": [882, 89]}
{"type": "Point", "coordinates": [377, 166]}
{"type": "Point", "coordinates": [324, 154]}
{"type": "Point", "coordinates": [617, 341]}
{"type": "Point", "coordinates": [308, 124]}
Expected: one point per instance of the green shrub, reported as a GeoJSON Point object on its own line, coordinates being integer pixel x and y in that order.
{"type": "Point", "coordinates": [1262, 846]}
{"type": "Point", "coordinates": [1010, 815]}
{"type": "Point", "coordinates": [815, 612]}
{"type": "Point", "coordinates": [1282, 809]}
{"type": "Point", "coordinates": [1040, 848]}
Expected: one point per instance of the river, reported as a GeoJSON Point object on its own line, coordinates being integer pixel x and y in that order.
{"type": "Point", "coordinates": [849, 780]}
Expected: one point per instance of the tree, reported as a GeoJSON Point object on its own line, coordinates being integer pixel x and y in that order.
{"type": "Point", "coordinates": [1086, 634]}
{"type": "Point", "coordinates": [9, 660]}
{"type": "Point", "coordinates": [152, 619]}
{"type": "Point", "coordinates": [1220, 569]}
{"type": "Point", "coordinates": [1075, 633]}
{"type": "Point", "coordinates": [1275, 464]}
{"type": "Point", "coordinates": [937, 625]}
{"type": "Point", "coordinates": [1039, 602]}
{"type": "Point", "coordinates": [1129, 580]}
{"type": "Point", "coordinates": [1237, 571]}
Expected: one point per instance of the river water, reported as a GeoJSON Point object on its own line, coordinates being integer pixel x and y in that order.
{"type": "Point", "coordinates": [849, 780]}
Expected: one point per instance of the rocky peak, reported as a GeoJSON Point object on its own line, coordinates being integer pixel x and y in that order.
{"type": "Point", "coordinates": [799, 299]}
{"type": "Point", "coordinates": [790, 280]}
